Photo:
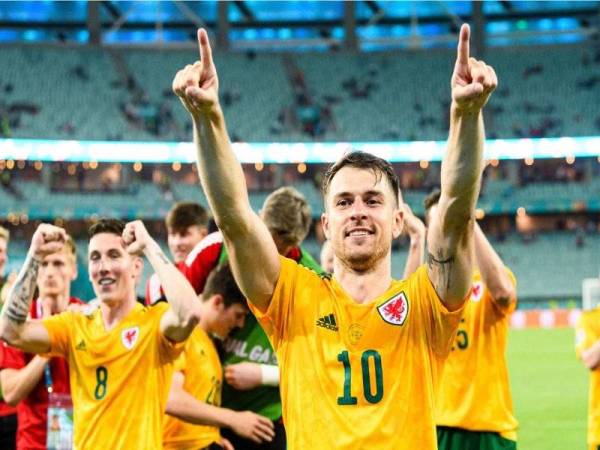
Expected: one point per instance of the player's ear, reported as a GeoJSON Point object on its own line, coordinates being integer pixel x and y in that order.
{"type": "Point", "coordinates": [138, 267]}
{"type": "Point", "coordinates": [74, 271]}
{"type": "Point", "coordinates": [398, 223]}
{"type": "Point", "coordinates": [218, 301]}
{"type": "Point", "coordinates": [325, 224]}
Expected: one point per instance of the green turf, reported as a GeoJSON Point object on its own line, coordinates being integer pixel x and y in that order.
{"type": "Point", "coordinates": [549, 387]}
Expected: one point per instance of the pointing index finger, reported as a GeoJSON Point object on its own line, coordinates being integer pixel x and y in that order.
{"type": "Point", "coordinates": [462, 56]}
{"type": "Point", "coordinates": [204, 46]}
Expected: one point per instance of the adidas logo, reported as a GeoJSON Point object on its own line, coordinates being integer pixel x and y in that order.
{"type": "Point", "coordinates": [328, 322]}
{"type": "Point", "coordinates": [81, 345]}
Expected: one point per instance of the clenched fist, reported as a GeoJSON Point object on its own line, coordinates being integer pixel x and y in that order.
{"type": "Point", "coordinates": [472, 81]}
{"type": "Point", "coordinates": [46, 240]}
{"type": "Point", "coordinates": [136, 237]}
{"type": "Point", "coordinates": [197, 85]}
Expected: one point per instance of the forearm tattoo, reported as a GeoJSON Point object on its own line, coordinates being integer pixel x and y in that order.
{"type": "Point", "coordinates": [442, 267]}
{"type": "Point", "coordinates": [21, 294]}
{"type": "Point", "coordinates": [162, 256]}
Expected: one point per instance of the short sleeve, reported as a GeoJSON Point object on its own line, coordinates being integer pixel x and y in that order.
{"type": "Point", "coordinates": [168, 350]}
{"type": "Point", "coordinates": [11, 358]}
{"type": "Point", "coordinates": [441, 324]}
{"type": "Point", "coordinates": [59, 329]}
{"type": "Point", "coordinates": [274, 319]}
{"type": "Point", "coordinates": [202, 260]}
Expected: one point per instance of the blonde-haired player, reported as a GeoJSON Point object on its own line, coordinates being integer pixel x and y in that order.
{"type": "Point", "coordinates": [359, 353]}
{"type": "Point", "coordinates": [31, 381]}
{"type": "Point", "coordinates": [120, 353]}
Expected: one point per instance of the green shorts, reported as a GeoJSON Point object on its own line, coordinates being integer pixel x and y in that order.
{"type": "Point", "coordinates": [459, 439]}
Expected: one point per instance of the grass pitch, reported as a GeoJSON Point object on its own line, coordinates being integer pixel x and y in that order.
{"type": "Point", "coordinates": [549, 387]}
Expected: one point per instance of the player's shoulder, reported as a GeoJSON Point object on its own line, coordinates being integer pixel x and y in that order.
{"type": "Point", "coordinates": [213, 241]}
{"type": "Point", "coordinates": [292, 268]}
{"type": "Point", "coordinates": [590, 317]}
{"type": "Point", "coordinates": [155, 310]}
{"type": "Point", "coordinates": [419, 278]}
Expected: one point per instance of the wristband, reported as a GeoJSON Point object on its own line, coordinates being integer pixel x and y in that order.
{"type": "Point", "coordinates": [269, 375]}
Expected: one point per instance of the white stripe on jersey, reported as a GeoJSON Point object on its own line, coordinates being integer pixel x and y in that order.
{"type": "Point", "coordinates": [212, 239]}
{"type": "Point", "coordinates": [154, 293]}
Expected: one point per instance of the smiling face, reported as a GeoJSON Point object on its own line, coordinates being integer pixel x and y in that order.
{"type": "Point", "coordinates": [112, 270]}
{"type": "Point", "coordinates": [361, 218]}
{"type": "Point", "coordinates": [182, 241]}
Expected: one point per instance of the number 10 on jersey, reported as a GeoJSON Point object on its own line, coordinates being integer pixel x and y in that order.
{"type": "Point", "coordinates": [370, 396]}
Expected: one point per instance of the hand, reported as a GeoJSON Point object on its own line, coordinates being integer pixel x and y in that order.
{"type": "Point", "coordinates": [226, 444]}
{"type": "Point", "coordinates": [413, 226]}
{"type": "Point", "coordinates": [243, 376]}
{"type": "Point", "coordinates": [46, 240]}
{"type": "Point", "coordinates": [253, 426]}
{"type": "Point", "coordinates": [472, 81]}
{"type": "Point", "coordinates": [136, 237]}
{"type": "Point", "coordinates": [197, 85]}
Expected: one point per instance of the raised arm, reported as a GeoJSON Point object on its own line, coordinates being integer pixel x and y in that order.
{"type": "Point", "coordinates": [249, 243]}
{"type": "Point", "coordinates": [450, 234]}
{"type": "Point", "coordinates": [181, 317]}
{"type": "Point", "coordinates": [415, 229]}
{"type": "Point", "coordinates": [493, 271]}
{"type": "Point", "coordinates": [29, 335]}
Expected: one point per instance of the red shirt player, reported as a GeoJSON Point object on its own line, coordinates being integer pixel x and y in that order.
{"type": "Point", "coordinates": [186, 225]}
{"type": "Point", "coordinates": [26, 378]}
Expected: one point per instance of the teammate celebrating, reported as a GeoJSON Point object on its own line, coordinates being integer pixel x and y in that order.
{"type": "Point", "coordinates": [251, 373]}
{"type": "Point", "coordinates": [29, 380]}
{"type": "Point", "coordinates": [195, 395]}
{"type": "Point", "coordinates": [360, 353]}
{"type": "Point", "coordinates": [120, 353]}
{"type": "Point", "coordinates": [187, 225]}
{"type": "Point", "coordinates": [474, 407]}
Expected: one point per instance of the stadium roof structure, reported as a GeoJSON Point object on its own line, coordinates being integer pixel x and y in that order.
{"type": "Point", "coordinates": [300, 25]}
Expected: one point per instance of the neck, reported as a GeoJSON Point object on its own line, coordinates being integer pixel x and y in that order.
{"type": "Point", "coordinates": [56, 302]}
{"type": "Point", "coordinates": [113, 311]}
{"type": "Point", "coordinates": [364, 286]}
{"type": "Point", "coordinates": [204, 322]}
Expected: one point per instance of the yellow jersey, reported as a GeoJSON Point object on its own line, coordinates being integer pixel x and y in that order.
{"type": "Point", "coordinates": [587, 333]}
{"type": "Point", "coordinates": [201, 366]}
{"type": "Point", "coordinates": [357, 376]}
{"type": "Point", "coordinates": [120, 379]}
{"type": "Point", "coordinates": [475, 391]}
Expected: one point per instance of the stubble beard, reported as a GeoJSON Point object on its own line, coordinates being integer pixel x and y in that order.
{"type": "Point", "coordinates": [363, 261]}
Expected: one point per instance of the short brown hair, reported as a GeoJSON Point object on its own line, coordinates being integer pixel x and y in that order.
{"type": "Point", "coordinates": [363, 160]}
{"type": "Point", "coordinates": [4, 234]}
{"type": "Point", "coordinates": [287, 214]}
{"type": "Point", "coordinates": [221, 282]}
{"type": "Point", "coordinates": [185, 214]}
{"type": "Point", "coordinates": [112, 226]}
{"type": "Point", "coordinates": [432, 199]}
